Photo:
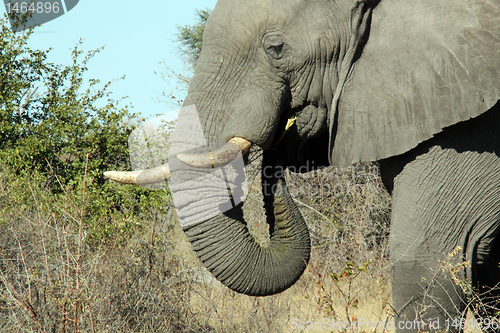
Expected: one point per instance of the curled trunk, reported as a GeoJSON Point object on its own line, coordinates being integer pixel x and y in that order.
{"type": "Point", "coordinates": [232, 255]}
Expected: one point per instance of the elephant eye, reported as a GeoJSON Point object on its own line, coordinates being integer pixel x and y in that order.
{"type": "Point", "coordinates": [275, 51]}
{"type": "Point", "coordinates": [275, 47]}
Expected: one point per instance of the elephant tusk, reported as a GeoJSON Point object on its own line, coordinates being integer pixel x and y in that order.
{"type": "Point", "coordinates": [218, 158]}
{"type": "Point", "coordinates": [140, 177]}
{"type": "Point", "coordinates": [290, 122]}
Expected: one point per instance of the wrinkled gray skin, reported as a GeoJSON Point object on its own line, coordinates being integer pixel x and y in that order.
{"type": "Point", "coordinates": [391, 81]}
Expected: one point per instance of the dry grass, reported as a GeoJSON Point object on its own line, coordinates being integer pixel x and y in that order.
{"type": "Point", "coordinates": [52, 281]}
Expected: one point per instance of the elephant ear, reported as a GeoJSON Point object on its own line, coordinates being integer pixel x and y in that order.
{"type": "Point", "coordinates": [427, 64]}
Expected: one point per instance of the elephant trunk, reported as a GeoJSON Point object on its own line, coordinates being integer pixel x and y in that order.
{"type": "Point", "coordinates": [233, 256]}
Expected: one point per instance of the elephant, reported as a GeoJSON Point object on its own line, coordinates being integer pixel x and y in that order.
{"type": "Point", "coordinates": [412, 85]}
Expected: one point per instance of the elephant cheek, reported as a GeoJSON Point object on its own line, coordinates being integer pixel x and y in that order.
{"type": "Point", "coordinates": [255, 117]}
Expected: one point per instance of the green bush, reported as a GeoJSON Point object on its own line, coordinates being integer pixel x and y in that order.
{"type": "Point", "coordinates": [62, 133]}
{"type": "Point", "coordinates": [50, 120]}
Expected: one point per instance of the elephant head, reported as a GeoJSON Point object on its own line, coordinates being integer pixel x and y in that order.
{"type": "Point", "coordinates": [362, 81]}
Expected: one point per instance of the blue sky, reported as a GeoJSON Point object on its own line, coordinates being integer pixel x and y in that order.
{"type": "Point", "coordinates": [136, 35]}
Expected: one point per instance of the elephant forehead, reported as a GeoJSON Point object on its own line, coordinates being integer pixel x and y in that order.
{"type": "Point", "coordinates": [245, 7]}
{"type": "Point", "coordinates": [243, 17]}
